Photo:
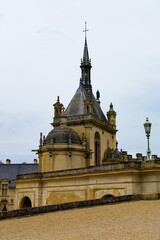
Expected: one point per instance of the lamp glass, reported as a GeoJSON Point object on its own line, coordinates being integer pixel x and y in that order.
{"type": "Point", "coordinates": [147, 126]}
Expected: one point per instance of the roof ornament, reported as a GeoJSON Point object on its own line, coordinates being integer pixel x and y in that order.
{"type": "Point", "coordinates": [83, 139]}
{"type": "Point", "coordinates": [44, 139]}
{"type": "Point", "coordinates": [97, 95]}
{"type": "Point", "coordinates": [111, 107]}
{"type": "Point", "coordinates": [40, 141]}
{"type": "Point", "coordinates": [116, 145]}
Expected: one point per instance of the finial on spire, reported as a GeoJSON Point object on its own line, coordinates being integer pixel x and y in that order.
{"type": "Point", "coordinates": [97, 95]}
{"type": "Point", "coordinates": [86, 30]}
{"type": "Point", "coordinates": [86, 64]}
{"type": "Point", "coordinates": [41, 139]}
{"type": "Point", "coordinates": [111, 106]}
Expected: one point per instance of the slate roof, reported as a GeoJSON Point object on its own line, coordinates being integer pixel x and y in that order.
{"type": "Point", "coordinates": [76, 106]}
{"type": "Point", "coordinates": [10, 171]}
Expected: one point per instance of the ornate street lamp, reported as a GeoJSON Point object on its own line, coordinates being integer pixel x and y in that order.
{"type": "Point", "coordinates": [147, 127]}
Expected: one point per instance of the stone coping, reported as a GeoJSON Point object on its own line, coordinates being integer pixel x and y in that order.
{"type": "Point", "coordinates": [135, 165]}
{"type": "Point", "coordinates": [66, 206]}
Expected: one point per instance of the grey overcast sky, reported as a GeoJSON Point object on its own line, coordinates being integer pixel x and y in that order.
{"type": "Point", "coordinates": [41, 44]}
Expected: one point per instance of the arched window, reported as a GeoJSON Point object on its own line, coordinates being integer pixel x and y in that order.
{"type": "Point", "coordinates": [108, 196]}
{"type": "Point", "coordinates": [25, 203]}
{"type": "Point", "coordinates": [97, 148]}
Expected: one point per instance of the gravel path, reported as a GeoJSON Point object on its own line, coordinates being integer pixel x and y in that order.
{"type": "Point", "coordinates": [125, 221]}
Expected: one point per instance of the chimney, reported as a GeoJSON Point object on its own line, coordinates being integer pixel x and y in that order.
{"type": "Point", "coordinates": [35, 161]}
{"type": "Point", "coordinates": [8, 161]}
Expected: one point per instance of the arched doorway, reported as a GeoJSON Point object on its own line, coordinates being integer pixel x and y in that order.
{"type": "Point", "coordinates": [108, 196]}
{"type": "Point", "coordinates": [97, 148]}
{"type": "Point", "coordinates": [4, 204]}
{"type": "Point", "coordinates": [25, 203]}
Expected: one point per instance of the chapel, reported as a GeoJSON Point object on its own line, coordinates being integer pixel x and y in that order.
{"type": "Point", "coordinates": [79, 159]}
{"type": "Point", "coordinates": [82, 134]}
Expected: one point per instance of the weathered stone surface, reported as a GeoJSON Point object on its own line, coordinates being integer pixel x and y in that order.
{"type": "Point", "coordinates": [94, 169]}
{"type": "Point", "coordinates": [66, 206]}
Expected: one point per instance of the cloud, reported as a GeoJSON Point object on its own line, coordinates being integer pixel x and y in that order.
{"type": "Point", "coordinates": [125, 61]}
{"type": "Point", "coordinates": [1, 16]}
{"type": "Point", "coordinates": [48, 30]}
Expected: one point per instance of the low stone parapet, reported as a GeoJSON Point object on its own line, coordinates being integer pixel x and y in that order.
{"type": "Point", "coordinates": [65, 206]}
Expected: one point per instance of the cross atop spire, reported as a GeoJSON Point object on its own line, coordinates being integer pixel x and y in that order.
{"type": "Point", "coordinates": [86, 64]}
{"type": "Point", "coordinates": [85, 51]}
{"type": "Point", "coordinates": [86, 30]}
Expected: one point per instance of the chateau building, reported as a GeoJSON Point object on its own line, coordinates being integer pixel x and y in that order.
{"type": "Point", "coordinates": [81, 133]}
{"type": "Point", "coordinates": [79, 159]}
{"type": "Point", "coordinates": [8, 173]}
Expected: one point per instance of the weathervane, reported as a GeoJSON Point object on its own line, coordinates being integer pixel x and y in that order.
{"type": "Point", "coordinates": [85, 30]}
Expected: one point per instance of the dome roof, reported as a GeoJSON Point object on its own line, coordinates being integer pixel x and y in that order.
{"type": "Point", "coordinates": [62, 135]}
{"type": "Point", "coordinates": [110, 153]}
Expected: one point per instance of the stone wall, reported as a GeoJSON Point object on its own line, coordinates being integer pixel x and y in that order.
{"type": "Point", "coordinates": [58, 207]}
{"type": "Point", "coordinates": [95, 169]}
{"type": "Point", "coordinates": [119, 179]}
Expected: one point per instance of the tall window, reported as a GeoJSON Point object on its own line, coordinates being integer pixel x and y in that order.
{"type": "Point", "coordinates": [4, 189]}
{"type": "Point", "coordinates": [87, 109]}
{"type": "Point", "coordinates": [97, 148]}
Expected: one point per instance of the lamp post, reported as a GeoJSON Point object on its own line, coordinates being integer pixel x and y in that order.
{"type": "Point", "coordinates": [147, 127]}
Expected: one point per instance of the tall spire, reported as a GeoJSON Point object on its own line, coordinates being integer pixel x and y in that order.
{"type": "Point", "coordinates": [86, 64]}
{"type": "Point", "coordinates": [85, 52]}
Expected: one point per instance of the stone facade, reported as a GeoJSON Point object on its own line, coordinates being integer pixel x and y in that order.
{"type": "Point", "coordinates": [8, 174]}
{"type": "Point", "coordinates": [117, 179]}
{"type": "Point", "coordinates": [79, 159]}
{"type": "Point", "coordinates": [7, 196]}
